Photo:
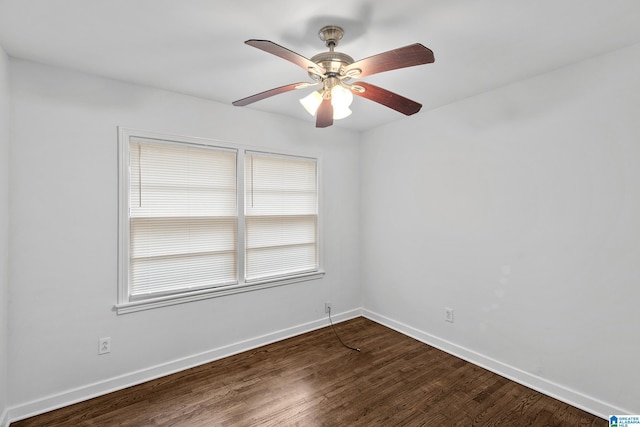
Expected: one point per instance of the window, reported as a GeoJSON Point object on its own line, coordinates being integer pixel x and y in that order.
{"type": "Point", "coordinates": [281, 219]}
{"type": "Point", "coordinates": [200, 219]}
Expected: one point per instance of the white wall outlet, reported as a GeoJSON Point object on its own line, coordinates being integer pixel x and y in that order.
{"type": "Point", "coordinates": [448, 314]}
{"type": "Point", "coordinates": [104, 345]}
{"type": "Point", "coordinates": [327, 307]}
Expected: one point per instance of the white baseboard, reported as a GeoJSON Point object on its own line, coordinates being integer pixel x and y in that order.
{"type": "Point", "coordinates": [69, 397]}
{"type": "Point", "coordinates": [549, 388]}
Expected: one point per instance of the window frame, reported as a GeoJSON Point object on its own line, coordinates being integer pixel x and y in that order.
{"type": "Point", "coordinates": [124, 303]}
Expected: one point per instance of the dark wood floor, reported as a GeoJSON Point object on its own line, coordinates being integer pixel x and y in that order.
{"type": "Point", "coordinates": [311, 380]}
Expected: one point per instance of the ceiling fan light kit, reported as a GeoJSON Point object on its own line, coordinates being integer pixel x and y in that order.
{"type": "Point", "coordinates": [334, 70]}
{"type": "Point", "coordinates": [341, 99]}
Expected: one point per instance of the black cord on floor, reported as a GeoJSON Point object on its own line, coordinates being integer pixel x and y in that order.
{"type": "Point", "coordinates": [337, 336]}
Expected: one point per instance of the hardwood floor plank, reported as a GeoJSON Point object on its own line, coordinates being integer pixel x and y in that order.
{"type": "Point", "coordinates": [312, 380]}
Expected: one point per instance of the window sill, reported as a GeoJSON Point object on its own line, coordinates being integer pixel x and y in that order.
{"type": "Point", "coordinates": [150, 303]}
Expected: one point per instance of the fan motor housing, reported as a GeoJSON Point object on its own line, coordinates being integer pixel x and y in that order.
{"type": "Point", "coordinates": [333, 62]}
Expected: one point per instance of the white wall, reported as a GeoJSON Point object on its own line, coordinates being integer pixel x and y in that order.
{"type": "Point", "coordinates": [519, 209]}
{"type": "Point", "coordinates": [64, 238]}
{"type": "Point", "coordinates": [4, 231]}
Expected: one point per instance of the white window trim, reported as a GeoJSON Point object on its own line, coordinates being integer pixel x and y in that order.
{"type": "Point", "coordinates": [123, 304]}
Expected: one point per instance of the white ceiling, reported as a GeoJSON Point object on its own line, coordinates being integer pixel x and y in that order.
{"type": "Point", "coordinates": [196, 46]}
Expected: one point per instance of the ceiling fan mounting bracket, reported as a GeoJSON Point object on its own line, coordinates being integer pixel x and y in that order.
{"type": "Point", "coordinates": [331, 35]}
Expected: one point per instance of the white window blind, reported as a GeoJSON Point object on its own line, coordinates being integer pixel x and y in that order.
{"type": "Point", "coordinates": [182, 218]}
{"type": "Point", "coordinates": [200, 218]}
{"type": "Point", "coordinates": [281, 215]}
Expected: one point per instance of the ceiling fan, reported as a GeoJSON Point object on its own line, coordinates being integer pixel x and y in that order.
{"type": "Point", "coordinates": [333, 71]}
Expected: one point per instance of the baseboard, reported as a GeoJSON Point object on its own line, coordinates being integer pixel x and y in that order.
{"type": "Point", "coordinates": [90, 391]}
{"type": "Point", "coordinates": [549, 388]}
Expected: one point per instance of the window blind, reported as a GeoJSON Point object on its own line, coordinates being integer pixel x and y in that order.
{"type": "Point", "coordinates": [281, 215]}
{"type": "Point", "coordinates": [183, 217]}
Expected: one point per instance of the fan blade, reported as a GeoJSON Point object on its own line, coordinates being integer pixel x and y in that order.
{"type": "Point", "coordinates": [289, 55]}
{"type": "Point", "coordinates": [324, 115]}
{"type": "Point", "coordinates": [387, 98]}
{"type": "Point", "coordinates": [408, 56]}
{"type": "Point", "coordinates": [267, 93]}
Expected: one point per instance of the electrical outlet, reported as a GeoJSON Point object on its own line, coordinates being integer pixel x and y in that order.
{"type": "Point", "coordinates": [448, 314]}
{"type": "Point", "coordinates": [104, 345]}
{"type": "Point", "coordinates": [327, 307]}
